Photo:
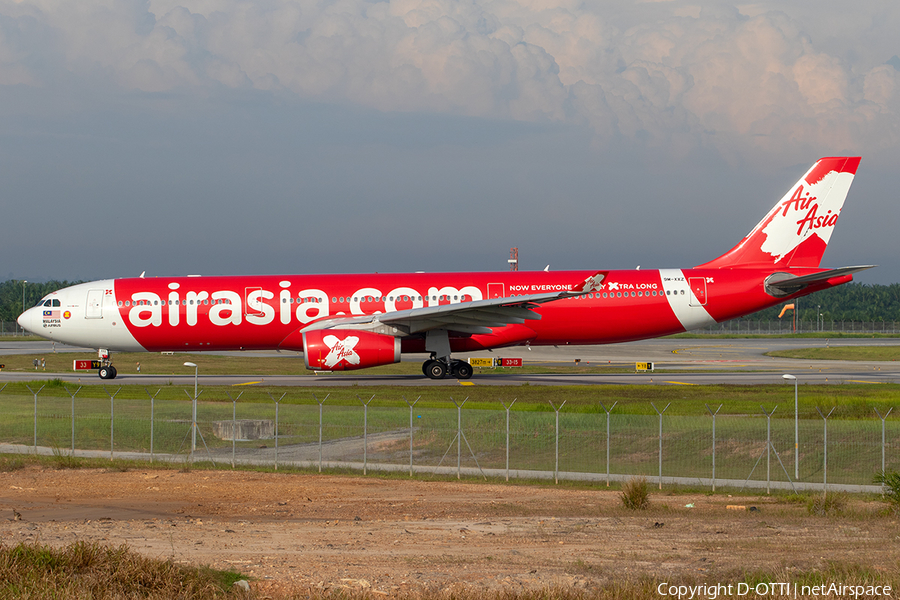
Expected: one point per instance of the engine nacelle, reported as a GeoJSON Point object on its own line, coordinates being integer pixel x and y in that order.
{"type": "Point", "coordinates": [348, 349]}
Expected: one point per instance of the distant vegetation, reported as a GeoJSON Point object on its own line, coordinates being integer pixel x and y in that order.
{"type": "Point", "coordinates": [850, 302]}
{"type": "Point", "coordinates": [11, 295]}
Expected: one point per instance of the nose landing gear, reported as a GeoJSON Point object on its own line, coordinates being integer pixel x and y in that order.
{"type": "Point", "coordinates": [107, 372]}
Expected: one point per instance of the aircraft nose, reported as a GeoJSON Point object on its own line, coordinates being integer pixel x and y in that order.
{"type": "Point", "coordinates": [25, 319]}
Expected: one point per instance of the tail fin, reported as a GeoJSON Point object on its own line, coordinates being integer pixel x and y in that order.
{"type": "Point", "coordinates": [796, 231]}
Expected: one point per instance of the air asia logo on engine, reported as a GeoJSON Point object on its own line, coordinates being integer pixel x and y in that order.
{"type": "Point", "coordinates": [341, 350]}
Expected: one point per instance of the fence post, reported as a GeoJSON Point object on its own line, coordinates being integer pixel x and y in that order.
{"type": "Point", "coordinates": [714, 443]}
{"type": "Point", "coordinates": [233, 422]}
{"type": "Point", "coordinates": [507, 433]}
{"type": "Point", "coordinates": [825, 446]}
{"type": "Point", "coordinates": [112, 420]}
{"type": "Point", "coordinates": [365, 431]}
{"type": "Point", "coordinates": [320, 403]}
{"type": "Point", "coordinates": [608, 410]}
{"type": "Point", "coordinates": [276, 424]}
{"type": "Point", "coordinates": [660, 438]}
{"type": "Point", "coordinates": [73, 414]}
{"type": "Point", "coordinates": [411, 431]}
{"type": "Point", "coordinates": [556, 463]}
{"type": "Point", "coordinates": [152, 407]}
{"type": "Point", "coordinates": [459, 435]}
{"type": "Point", "coordinates": [882, 438]}
{"type": "Point", "coordinates": [768, 445]}
{"type": "Point", "coordinates": [35, 412]}
{"type": "Point", "coordinates": [194, 425]}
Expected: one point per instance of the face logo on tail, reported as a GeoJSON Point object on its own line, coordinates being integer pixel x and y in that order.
{"type": "Point", "coordinates": [341, 350]}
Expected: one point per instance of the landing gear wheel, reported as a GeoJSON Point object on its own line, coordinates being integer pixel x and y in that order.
{"type": "Point", "coordinates": [107, 372]}
{"type": "Point", "coordinates": [462, 370]}
{"type": "Point", "coordinates": [435, 369]}
{"type": "Point", "coordinates": [425, 366]}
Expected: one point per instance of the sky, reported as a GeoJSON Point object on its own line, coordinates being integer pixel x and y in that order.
{"type": "Point", "coordinates": [223, 137]}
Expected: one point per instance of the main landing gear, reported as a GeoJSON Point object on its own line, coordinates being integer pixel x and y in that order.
{"type": "Point", "coordinates": [440, 365]}
{"type": "Point", "coordinates": [439, 369]}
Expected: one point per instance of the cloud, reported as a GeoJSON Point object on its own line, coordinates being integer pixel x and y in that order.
{"type": "Point", "coordinates": [752, 83]}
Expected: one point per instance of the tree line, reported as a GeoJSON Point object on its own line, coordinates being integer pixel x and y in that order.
{"type": "Point", "coordinates": [848, 302]}
{"type": "Point", "coordinates": [11, 295]}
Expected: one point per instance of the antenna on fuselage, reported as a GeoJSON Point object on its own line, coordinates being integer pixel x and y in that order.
{"type": "Point", "coordinates": [142, 274]}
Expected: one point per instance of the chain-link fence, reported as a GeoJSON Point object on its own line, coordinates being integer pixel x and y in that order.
{"type": "Point", "coordinates": [712, 449]}
{"type": "Point", "coordinates": [786, 326]}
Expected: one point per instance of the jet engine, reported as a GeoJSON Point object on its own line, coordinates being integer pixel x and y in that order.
{"type": "Point", "coordinates": [348, 349]}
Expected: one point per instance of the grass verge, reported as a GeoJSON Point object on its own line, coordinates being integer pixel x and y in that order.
{"type": "Point", "coordinates": [89, 570]}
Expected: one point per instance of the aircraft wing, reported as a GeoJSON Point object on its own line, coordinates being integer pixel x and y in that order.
{"type": "Point", "coordinates": [477, 317]}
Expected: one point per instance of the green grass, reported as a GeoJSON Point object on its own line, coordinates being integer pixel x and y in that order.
{"type": "Point", "coordinates": [859, 353]}
{"type": "Point", "coordinates": [21, 338]}
{"type": "Point", "coordinates": [853, 401]}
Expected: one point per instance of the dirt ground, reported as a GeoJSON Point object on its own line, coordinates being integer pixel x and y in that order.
{"type": "Point", "coordinates": [290, 530]}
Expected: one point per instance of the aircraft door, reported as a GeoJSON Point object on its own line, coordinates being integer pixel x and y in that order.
{"type": "Point", "coordinates": [495, 290]}
{"type": "Point", "coordinates": [93, 309]}
{"type": "Point", "coordinates": [698, 289]}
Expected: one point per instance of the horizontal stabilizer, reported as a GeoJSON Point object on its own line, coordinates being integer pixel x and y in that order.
{"type": "Point", "coordinates": [786, 284]}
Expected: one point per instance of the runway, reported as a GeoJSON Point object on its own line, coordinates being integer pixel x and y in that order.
{"type": "Point", "coordinates": [676, 362]}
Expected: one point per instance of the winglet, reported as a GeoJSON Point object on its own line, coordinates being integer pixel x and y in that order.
{"type": "Point", "coordinates": [590, 284]}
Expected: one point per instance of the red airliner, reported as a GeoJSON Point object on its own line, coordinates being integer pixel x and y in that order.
{"type": "Point", "coordinates": [343, 322]}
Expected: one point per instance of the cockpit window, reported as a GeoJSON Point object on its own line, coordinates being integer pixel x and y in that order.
{"type": "Point", "coordinates": [56, 302]}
